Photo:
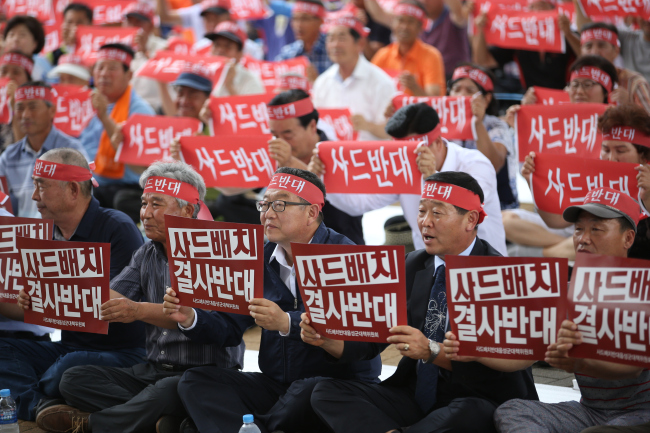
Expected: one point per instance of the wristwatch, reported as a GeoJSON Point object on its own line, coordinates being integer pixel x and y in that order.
{"type": "Point", "coordinates": [434, 347]}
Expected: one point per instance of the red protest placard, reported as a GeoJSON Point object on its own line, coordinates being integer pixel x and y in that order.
{"type": "Point", "coordinates": [5, 109]}
{"type": "Point", "coordinates": [506, 307]}
{"type": "Point", "coordinates": [166, 65]}
{"type": "Point", "coordinates": [147, 138]}
{"type": "Point", "coordinates": [40, 9]}
{"type": "Point", "coordinates": [215, 265]}
{"type": "Point", "coordinates": [339, 120]}
{"type": "Point", "coordinates": [395, 74]}
{"type": "Point", "coordinates": [546, 96]}
{"type": "Point", "coordinates": [67, 283]}
{"type": "Point", "coordinates": [522, 30]}
{"type": "Point", "coordinates": [52, 37]}
{"type": "Point", "coordinates": [248, 9]}
{"type": "Point", "coordinates": [609, 300]}
{"type": "Point", "coordinates": [566, 129]}
{"type": "Point", "coordinates": [370, 167]}
{"type": "Point", "coordinates": [270, 71]}
{"type": "Point", "coordinates": [5, 203]}
{"type": "Point", "coordinates": [10, 228]}
{"type": "Point", "coordinates": [233, 115]}
{"type": "Point", "coordinates": [615, 8]}
{"type": "Point", "coordinates": [455, 113]}
{"type": "Point", "coordinates": [558, 183]}
{"type": "Point", "coordinates": [352, 292]}
{"type": "Point", "coordinates": [74, 109]}
{"type": "Point", "coordinates": [108, 11]}
{"type": "Point", "coordinates": [230, 161]}
{"type": "Point", "coordinates": [90, 38]}
{"type": "Point", "coordinates": [178, 45]}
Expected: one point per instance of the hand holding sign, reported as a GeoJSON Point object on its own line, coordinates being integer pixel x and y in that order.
{"type": "Point", "coordinates": [557, 353]}
{"type": "Point", "coordinates": [180, 314]}
{"type": "Point", "coordinates": [269, 316]}
{"type": "Point", "coordinates": [410, 342]}
{"type": "Point", "coordinates": [451, 345]}
{"type": "Point", "coordinates": [121, 310]}
{"type": "Point", "coordinates": [643, 182]}
{"type": "Point", "coordinates": [280, 151]}
{"type": "Point", "coordinates": [23, 300]}
{"type": "Point", "coordinates": [426, 161]}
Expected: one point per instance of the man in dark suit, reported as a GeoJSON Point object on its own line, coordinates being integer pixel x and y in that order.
{"type": "Point", "coordinates": [427, 392]}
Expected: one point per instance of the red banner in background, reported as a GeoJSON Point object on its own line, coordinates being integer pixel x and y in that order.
{"type": "Point", "coordinates": [67, 282]}
{"type": "Point", "coordinates": [609, 300]}
{"type": "Point", "coordinates": [352, 292]}
{"type": "Point", "coordinates": [74, 109]}
{"type": "Point", "coordinates": [395, 74]}
{"type": "Point", "coordinates": [546, 96]}
{"type": "Point", "coordinates": [534, 31]}
{"type": "Point", "coordinates": [558, 183]}
{"type": "Point", "coordinates": [215, 265]}
{"type": "Point", "coordinates": [52, 37]}
{"type": "Point", "coordinates": [4, 189]}
{"type": "Point", "coordinates": [455, 113]}
{"type": "Point", "coordinates": [166, 66]}
{"type": "Point", "coordinates": [147, 138]}
{"type": "Point", "coordinates": [178, 45]}
{"type": "Point", "coordinates": [90, 38]}
{"type": "Point", "coordinates": [248, 10]}
{"type": "Point", "coordinates": [10, 228]}
{"type": "Point", "coordinates": [5, 109]}
{"type": "Point", "coordinates": [370, 167]}
{"type": "Point", "coordinates": [232, 115]}
{"type": "Point", "coordinates": [230, 161]}
{"type": "Point", "coordinates": [270, 71]}
{"type": "Point", "coordinates": [40, 9]}
{"type": "Point", "coordinates": [339, 120]}
{"type": "Point", "coordinates": [108, 11]}
{"type": "Point", "coordinates": [506, 307]}
{"type": "Point", "coordinates": [566, 129]}
{"type": "Point", "coordinates": [615, 8]}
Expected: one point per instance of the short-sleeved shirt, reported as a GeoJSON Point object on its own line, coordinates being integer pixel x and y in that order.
{"type": "Point", "coordinates": [317, 56]}
{"type": "Point", "coordinates": [551, 71]}
{"type": "Point", "coordinates": [635, 50]}
{"type": "Point", "coordinates": [92, 134]}
{"type": "Point", "coordinates": [423, 61]}
{"type": "Point", "coordinates": [245, 83]}
{"type": "Point", "coordinates": [114, 227]}
{"type": "Point", "coordinates": [17, 164]}
{"type": "Point", "coordinates": [449, 39]}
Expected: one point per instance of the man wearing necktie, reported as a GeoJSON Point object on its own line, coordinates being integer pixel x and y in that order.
{"type": "Point", "coordinates": [427, 393]}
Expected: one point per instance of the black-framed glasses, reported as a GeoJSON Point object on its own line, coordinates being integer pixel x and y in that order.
{"type": "Point", "coordinates": [277, 205]}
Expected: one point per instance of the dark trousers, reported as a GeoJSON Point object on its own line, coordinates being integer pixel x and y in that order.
{"type": "Point", "coordinates": [217, 398]}
{"type": "Point", "coordinates": [123, 399]}
{"type": "Point", "coordinates": [354, 406]}
{"type": "Point", "coordinates": [643, 428]}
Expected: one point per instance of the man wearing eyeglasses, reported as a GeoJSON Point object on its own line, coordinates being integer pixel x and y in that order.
{"type": "Point", "coordinates": [290, 211]}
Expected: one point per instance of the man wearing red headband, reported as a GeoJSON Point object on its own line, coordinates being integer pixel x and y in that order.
{"type": "Point", "coordinates": [33, 369]}
{"type": "Point", "coordinates": [427, 392]}
{"type": "Point", "coordinates": [133, 399]}
{"type": "Point", "coordinates": [612, 393]}
{"type": "Point", "coordinates": [279, 396]}
{"type": "Point", "coordinates": [421, 66]}
{"type": "Point", "coordinates": [306, 19]}
{"type": "Point", "coordinates": [35, 108]}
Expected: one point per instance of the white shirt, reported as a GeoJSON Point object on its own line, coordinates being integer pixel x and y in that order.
{"type": "Point", "coordinates": [287, 273]}
{"type": "Point", "coordinates": [251, 48]}
{"type": "Point", "coordinates": [245, 83]}
{"type": "Point", "coordinates": [368, 91]}
{"type": "Point", "coordinates": [458, 159]}
{"type": "Point", "coordinates": [147, 88]}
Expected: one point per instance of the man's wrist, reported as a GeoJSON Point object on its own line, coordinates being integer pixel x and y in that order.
{"type": "Point", "coordinates": [190, 319]}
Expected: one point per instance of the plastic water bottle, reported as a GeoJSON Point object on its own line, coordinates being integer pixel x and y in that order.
{"type": "Point", "coordinates": [8, 413]}
{"type": "Point", "coordinates": [248, 427]}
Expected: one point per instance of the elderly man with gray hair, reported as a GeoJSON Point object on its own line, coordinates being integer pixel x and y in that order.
{"type": "Point", "coordinates": [134, 399]}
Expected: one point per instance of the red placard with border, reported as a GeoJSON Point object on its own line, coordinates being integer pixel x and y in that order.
{"type": "Point", "coordinates": [74, 109]}
{"type": "Point", "coordinates": [524, 30]}
{"type": "Point", "coordinates": [352, 292]}
{"type": "Point", "coordinates": [614, 8]}
{"type": "Point", "coordinates": [10, 263]}
{"type": "Point", "coordinates": [233, 115]}
{"type": "Point", "coordinates": [90, 38]}
{"type": "Point", "coordinates": [455, 113]}
{"type": "Point", "coordinates": [506, 307]}
{"type": "Point", "coordinates": [52, 37]}
{"type": "Point", "coordinates": [4, 188]}
{"type": "Point", "coordinates": [249, 10]}
{"type": "Point", "coordinates": [609, 301]}
{"type": "Point", "coordinates": [5, 109]}
{"type": "Point", "coordinates": [339, 120]}
{"type": "Point", "coordinates": [269, 71]}
{"type": "Point", "coordinates": [167, 65]}
{"type": "Point", "coordinates": [67, 283]}
{"type": "Point", "coordinates": [215, 265]}
{"type": "Point", "coordinates": [546, 96]}
{"type": "Point", "coordinates": [40, 9]}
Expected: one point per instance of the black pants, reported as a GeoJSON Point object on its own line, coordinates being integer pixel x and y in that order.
{"type": "Point", "coordinates": [354, 406]}
{"type": "Point", "coordinates": [24, 335]}
{"type": "Point", "coordinates": [217, 398]}
{"type": "Point", "coordinates": [123, 399]}
{"type": "Point", "coordinates": [643, 428]}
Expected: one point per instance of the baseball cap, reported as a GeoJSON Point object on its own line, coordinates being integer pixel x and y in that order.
{"type": "Point", "coordinates": [229, 30]}
{"type": "Point", "coordinates": [215, 6]}
{"type": "Point", "coordinates": [195, 76]}
{"type": "Point", "coordinates": [606, 203]}
{"type": "Point", "coordinates": [141, 10]}
{"type": "Point", "coordinates": [72, 65]}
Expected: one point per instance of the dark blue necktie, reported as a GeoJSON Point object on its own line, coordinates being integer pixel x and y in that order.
{"type": "Point", "coordinates": [434, 329]}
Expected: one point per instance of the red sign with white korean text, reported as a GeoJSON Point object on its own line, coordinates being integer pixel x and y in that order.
{"type": "Point", "coordinates": [558, 183]}
{"type": "Point", "coordinates": [370, 167]}
{"type": "Point", "coordinates": [609, 300]}
{"type": "Point", "coordinates": [616, 8]}
{"type": "Point", "coordinates": [232, 115]}
{"type": "Point", "coordinates": [455, 113]}
{"type": "Point", "coordinates": [5, 109]}
{"type": "Point", "coordinates": [178, 45]}
{"type": "Point", "coordinates": [270, 71]}
{"type": "Point", "coordinates": [215, 265]}
{"type": "Point", "coordinates": [52, 37]}
{"type": "Point", "coordinates": [546, 96]}
{"type": "Point", "coordinates": [67, 283]}
{"type": "Point", "coordinates": [4, 189]}
{"type": "Point", "coordinates": [566, 129]}
{"type": "Point", "coordinates": [40, 9]}
{"type": "Point", "coordinates": [74, 109]}
{"type": "Point", "coordinates": [230, 161]}
{"type": "Point", "coordinates": [108, 11]}
{"type": "Point", "coordinates": [506, 307]}
{"type": "Point", "coordinates": [147, 138]}
{"type": "Point", "coordinates": [522, 30]}
{"type": "Point", "coordinates": [166, 66]}
{"type": "Point", "coordinates": [248, 9]}
{"type": "Point", "coordinates": [10, 228]}
{"type": "Point", "coordinates": [352, 292]}
{"type": "Point", "coordinates": [90, 38]}
{"type": "Point", "coordinates": [339, 120]}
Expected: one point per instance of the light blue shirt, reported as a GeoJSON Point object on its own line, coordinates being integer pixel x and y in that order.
{"type": "Point", "coordinates": [17, 164]}
{"type": "Point", "coordinates": [92, 134]}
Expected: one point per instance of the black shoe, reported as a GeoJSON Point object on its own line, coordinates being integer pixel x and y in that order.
{"type": "Point", "coordinates": [169, 424]}
{"type": "Point", "coordinates": [188, 426]}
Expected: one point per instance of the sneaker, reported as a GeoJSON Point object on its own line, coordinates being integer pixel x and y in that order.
{"type": "Point", "coordinates": [62, 418]}
{"type": "Point", "coordinates": [169, 424]}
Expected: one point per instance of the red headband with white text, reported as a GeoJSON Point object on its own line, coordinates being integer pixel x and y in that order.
{"type": "Point", "coordinates": [291, 82]}
{"type": "Point", "coordinates": [18, 59]}
{"type": "Point", "coordinates": [409, 10]}
{"type": "Point", "coordinates": [34, 92]}
{"type": "Point", "coordinates": [627, 133]}
{"type": "Point", "coordinates": [350, 22]}
{"type": "Point", "coordinates": [291, 110]}
{"type": "Point", "coordinates": [595, 74]}
{"type": "Point", "coordinates": [63, 172]}
{"type": "Point", "coordinates": [599, 35]}
{"type": "Point", "coordinates": [115, 54]}
{"type": "Point", "coordinates": [299, 186]}
{"type": "Point", "coordinates": [180, 190]}
{"type": "Point", "coordinates": [310, 9]}
{"type": "Point", "coordinates": [454, 195]}
{"type": "Point", "coordinates": [476, 75]}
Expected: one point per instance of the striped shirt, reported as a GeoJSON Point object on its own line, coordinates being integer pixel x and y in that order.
{"type": "Point", "coordinates": [615, 394]}
{"type": "Point", "coordinates": [145, 279]}
{"type": "Point", "coordinates": [317, 56]}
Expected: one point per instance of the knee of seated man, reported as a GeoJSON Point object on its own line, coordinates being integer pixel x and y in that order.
{"type": "Point", "coordinates": [70, 380]}
{"type": "Point", "coordinates": [511, 410]}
